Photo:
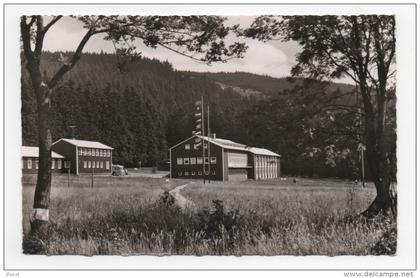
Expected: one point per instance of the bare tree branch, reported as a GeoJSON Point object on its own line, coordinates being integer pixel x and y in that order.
{"type": "Point", "coordinates": [181, 53]}
{"type": "Point", "coordinates": [391, 55]}
{"type": "Point", "coordinates": [338, 65]}
{"type": "Point", "coordinates": [39, 39]}
{"type": "Point", "coordinates": [26, 37]}
{"type": "Point", "coordinates": [76, 56]}
{"type": "Point", "coordinates": [33, 18]}
{"type": "Point", "coordinates": [51, 23]}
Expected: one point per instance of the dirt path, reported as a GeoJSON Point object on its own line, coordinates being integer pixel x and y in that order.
{"type": "Point", "coordinates": [181, 200]}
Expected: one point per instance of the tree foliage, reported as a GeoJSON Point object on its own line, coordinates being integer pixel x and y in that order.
{"type": "Point", "coordinates": [363, 49]}
{"type": "Point", "coordinates": [197, 37]}
{"type": "Point", "coordinates": [334, 46]}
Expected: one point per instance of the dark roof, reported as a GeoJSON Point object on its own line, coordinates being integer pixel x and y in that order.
{"type": "Point", "coordinates": [85, 144]}
{"type": "Point", "coordinates": [230, 145]}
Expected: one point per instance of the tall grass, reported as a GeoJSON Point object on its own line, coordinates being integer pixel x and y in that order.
{"type": "Point", "coordinates": [258, 218]}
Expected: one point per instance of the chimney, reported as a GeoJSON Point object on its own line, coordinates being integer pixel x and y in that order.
{"type": "Point", "coordinates": [72, 133]}
{"type": "Point", "coordinates": [212, 135]}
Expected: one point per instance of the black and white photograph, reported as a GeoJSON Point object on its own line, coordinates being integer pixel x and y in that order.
{"type": "Point", "coordinates": [270, 134]}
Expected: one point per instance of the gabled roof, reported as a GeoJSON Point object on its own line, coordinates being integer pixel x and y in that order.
{"type": "Point", "coordinates": [261, 151]}
{"type": "Point", "coordinates": [230, 145]}
{"type": "Point", "coordinates": [176, 145]}
{"type": "Point", "coordinates": [34, 152]}
{"type": "Point", "coordinates": [85, 144]}
{"type": "Point", "coordinates": [227, 144]}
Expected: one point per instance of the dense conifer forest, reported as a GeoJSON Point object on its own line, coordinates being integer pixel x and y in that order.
{"type": "Point", "coordinates": [142, 107]}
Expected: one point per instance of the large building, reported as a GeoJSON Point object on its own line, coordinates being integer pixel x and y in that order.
{"type": "Point", "coordinates": [84, 156]}
{"type": "Point", "coordinates": [30, 160]}
{"type": "Point", "coordinates": [228, 160]}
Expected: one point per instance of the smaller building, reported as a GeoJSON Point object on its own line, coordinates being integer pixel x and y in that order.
{"type": "Point", "coordinates": [83, 156]}
{"type": "Point", "coordinates": [30, 160]}
{"type": "Point", "coordinates": [265, 164]}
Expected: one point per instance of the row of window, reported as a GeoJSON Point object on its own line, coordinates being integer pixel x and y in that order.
{"type": "Point", "coordinates": [95, 164]}
{"type": "Point", "coordinates": [194, 160]}
{"type": "Point", "coordinates": [94, 152]}
{"type": "Point", "coordinates": [29, 163]}
{"type": "Point", "coordinates": [195, 146]}
{"type": "Point", "coordinates": [193, 173]}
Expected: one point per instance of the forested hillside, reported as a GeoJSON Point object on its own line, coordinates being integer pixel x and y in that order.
{"type": "Point", "coordinates": [139, 109]}
{"type": "Point", "coordinates": [262, 83]}
{"type": "Point", "coordinates": [143, 107]}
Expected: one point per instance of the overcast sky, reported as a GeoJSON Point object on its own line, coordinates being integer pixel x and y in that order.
{"type": "Point", "coordinates": [273, 58]}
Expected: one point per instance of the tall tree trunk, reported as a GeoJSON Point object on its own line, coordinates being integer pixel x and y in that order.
{"type": "Point", "coordinates": [40, 216]}
{"type": "Point", "coordinates": [40, 213]}
{"type": "Point", "coordinates": [377, 158]}
{"type": "Point", "coordinates": [379, 164]}
{"type": "Point", "coordinates": [43, 92]}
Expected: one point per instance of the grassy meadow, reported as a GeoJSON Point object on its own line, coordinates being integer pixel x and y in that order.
{"type": "Point", "coordinates": [135, 215]}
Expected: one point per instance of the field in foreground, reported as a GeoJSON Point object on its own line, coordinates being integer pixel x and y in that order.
{"type": "Point", "coordinates": [132, 216]}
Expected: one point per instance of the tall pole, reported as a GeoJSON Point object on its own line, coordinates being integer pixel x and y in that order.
{"type": "Point", "coordinates": [362, 149]}
{"type": "Point", "coordinates": [362, 152]}
{"type": "Point", "coordinates": [363, 168]}
{"type": "Point", "coordinates": [72, 127]}
{"type": "Point", "coordinates": [93, 170]}
{"type": "Point", "coordinates": [68, 177]}
{"type": "Point", "coordinates": [208, 139]}
{"type": "Point", "coordinates": [202, 139]}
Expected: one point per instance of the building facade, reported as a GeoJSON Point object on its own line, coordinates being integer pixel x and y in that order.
{"type": "Point", "coordinates": [228, 160]}
{"type": "Point", "coordinates": [83, 156]}
{"type": "Point", "coordinates": [186, 161]}
{"type": "Point", "coordinates": [265, 164]}
{"type": "Point", "coordinates": [30, 160]}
